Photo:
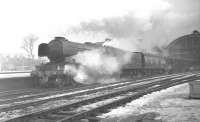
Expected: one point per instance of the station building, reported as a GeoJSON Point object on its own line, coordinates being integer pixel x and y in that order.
{"type": "Point", "coordinates": [187, 46]}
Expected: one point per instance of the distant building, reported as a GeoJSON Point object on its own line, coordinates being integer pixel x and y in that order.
{"type": "Point", "coordinates": [187, 46]}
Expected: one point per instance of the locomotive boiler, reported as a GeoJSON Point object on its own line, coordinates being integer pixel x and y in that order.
{"type": "Point", "coordinates": [60, 48]}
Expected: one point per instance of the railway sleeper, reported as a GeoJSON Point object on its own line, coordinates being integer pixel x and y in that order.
{"type": "Point", "coordinates": [55, 116]}
{"type": "Point", "coordinates": [45, 117]}
{"type": "Point", "coordinates": [65, 112]}
{"type": "Point", "coordinates": [39, 120]}
{"type": "Point", "coordinates": [51, 117]}
{"type": "Point", "coordinates": [98, 112]}
{"type": "Point", "coordinates": [93, 119]}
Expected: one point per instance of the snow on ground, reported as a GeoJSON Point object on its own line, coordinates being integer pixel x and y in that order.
{"type": "Point", "coordinates": [169, 105]}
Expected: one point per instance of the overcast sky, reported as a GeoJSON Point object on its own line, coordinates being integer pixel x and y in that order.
{"type": "Point", "coordinates": [49, 18]}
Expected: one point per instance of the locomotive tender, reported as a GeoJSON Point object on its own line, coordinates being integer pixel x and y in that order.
{"type": "Point", "coordinates": [60, 52]}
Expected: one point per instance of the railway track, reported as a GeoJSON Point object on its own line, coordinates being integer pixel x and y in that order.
{"type": "Point", "coordinates": [12, 94]}
{"type": "Point", "coordinates": [36, 99]}
{"type": "Point", "coordinates": [109, 94]}
{"type": "Point", "coordinates": [25, 94]}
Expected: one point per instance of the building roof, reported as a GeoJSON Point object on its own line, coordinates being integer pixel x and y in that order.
{"type": "Point", "coordinates": [194, 36]}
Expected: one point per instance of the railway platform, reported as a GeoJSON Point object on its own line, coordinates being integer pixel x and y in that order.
{"type": "Point", "coordinates": [15, 80]}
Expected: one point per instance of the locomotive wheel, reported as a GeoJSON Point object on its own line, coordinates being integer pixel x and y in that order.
{"type": "Point", "coordinates": [59, 82]}
{"type": "Point", "coordinates": [40, 81]}
{"type": "Point", "coordinates": [36, 81]}
{"type": "Point", "coordinates": [47, 82]}
{"type": "Point", "coordinates": [56, 81]}
{"type": "Point", "coordinates": [69, 80]}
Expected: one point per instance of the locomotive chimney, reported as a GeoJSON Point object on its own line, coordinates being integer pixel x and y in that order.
{"type": "Point", "coordinates": [60, 38]}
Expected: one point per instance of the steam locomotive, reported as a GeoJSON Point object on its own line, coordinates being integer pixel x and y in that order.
{"type": "Point", "coordinates": [60, 52]}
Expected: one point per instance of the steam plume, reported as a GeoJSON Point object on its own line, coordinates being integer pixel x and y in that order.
{"type": "Point", "coordinates": [98, 65]}
{"type": "Point", "coordinates": [144, 30]}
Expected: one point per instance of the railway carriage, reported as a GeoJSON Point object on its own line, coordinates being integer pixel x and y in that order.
{"type": "Point", "coordinates": [135, 67]}
{"type": "Point", "coordinates": [154, 64]}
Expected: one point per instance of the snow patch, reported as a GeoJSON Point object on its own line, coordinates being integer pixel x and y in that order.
{"type": "Point", "coordinates": [169, 105]}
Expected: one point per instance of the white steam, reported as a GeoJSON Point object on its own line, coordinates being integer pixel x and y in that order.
{"type": "Point", "coordinates": [145, 25]}
{"type": "Point", "coordinates": [98, 65]}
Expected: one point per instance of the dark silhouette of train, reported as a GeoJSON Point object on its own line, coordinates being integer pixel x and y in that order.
{"type": "Point", "coordinates": [60, 52]}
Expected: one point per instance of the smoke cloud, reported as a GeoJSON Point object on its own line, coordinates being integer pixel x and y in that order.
{"type": "Point", "coordinates": [101, 65]}
{"type": "Point", "coordinates": [144, 29]}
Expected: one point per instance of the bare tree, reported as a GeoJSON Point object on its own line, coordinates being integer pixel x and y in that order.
{"type": "Point", "coordinates": [28, 44]}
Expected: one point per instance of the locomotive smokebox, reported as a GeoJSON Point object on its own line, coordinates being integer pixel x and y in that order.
{"type": "Point", "coordinates": [53, 50]}
{"type": "Point", "coordinates": [54, 47]}
{"type": "Point", "coordinates": [43, 50]}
